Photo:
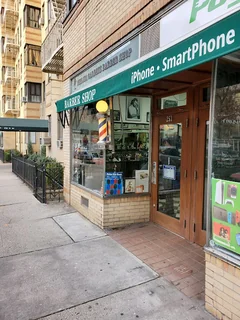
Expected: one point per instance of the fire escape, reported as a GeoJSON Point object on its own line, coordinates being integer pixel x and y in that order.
{"type": "Point", "coordinates": [10, 49]}
{"type": "Point", "coordinates": [52, 47]}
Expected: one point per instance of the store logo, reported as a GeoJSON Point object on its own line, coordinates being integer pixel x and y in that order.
{"type": "Point", "coordinates": [211, 5]}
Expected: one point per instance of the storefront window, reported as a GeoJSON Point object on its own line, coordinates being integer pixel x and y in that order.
{"type": "Point", "coordinates": [87, 158]}
{"type": "Point", "coordinates": [127, 162]}
{"type": "Point", "coordinates": [226, 155]}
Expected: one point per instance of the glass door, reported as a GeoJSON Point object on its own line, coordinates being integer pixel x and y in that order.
{"type": "Point", "coordinates": [179, 180]}
{"type": "Point", "coordinates": [171, 159]}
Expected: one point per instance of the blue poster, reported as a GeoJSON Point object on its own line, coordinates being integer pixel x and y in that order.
{"type": "Point", "coordinates": [113, 183]}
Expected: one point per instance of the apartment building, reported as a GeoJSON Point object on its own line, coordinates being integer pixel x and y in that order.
{"type": "Point", "coordinates": [53, 13]}
{"type": "Point", "coordinates": [21, 74]}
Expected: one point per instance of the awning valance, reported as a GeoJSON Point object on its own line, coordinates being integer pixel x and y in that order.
{"type": "Point", "coordinates": [215, 41]}
{"type": "Point", "coordinates": [25, 125]}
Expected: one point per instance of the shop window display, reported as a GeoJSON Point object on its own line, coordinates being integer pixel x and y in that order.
{"type": "Point", "coordinates": [88, 159]}
{"type": "Point", "coordinates": [129, 156]}
{"type": "Point", "coordinates": [226, 155]}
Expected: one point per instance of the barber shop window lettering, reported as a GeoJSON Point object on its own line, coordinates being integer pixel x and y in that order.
{"type": "Point", "coordinates": [133, 109]}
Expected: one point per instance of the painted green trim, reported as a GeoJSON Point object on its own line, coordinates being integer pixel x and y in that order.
{"type": "Point", "coordinates": [219, 39]}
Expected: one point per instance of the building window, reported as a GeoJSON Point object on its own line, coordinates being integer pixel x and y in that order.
{"type": "Point", "coordinates": [33, 92]}
{"type": "Point", "coordinates": [30, 137]}
{"type": "Point", "coordinates": [60, 130]}
{"type": "Point", "coordinates": [225, 181]}
{"type": "Point", "coordinates": [32, 16]}
{"type": "Point", "coordinates": [87, 159]}
{"type": "Point", "coordinates": [44, 91]}
{"type": "Point", "coordinates": [49, 11]}
{"type": "Point", "coordinates": [128, 161]}
{"type": "Point", "coordinates": [43, 14]}
{"type": "Point", "coordinates": [2, 44]}
{"type": "Point", "coordinates": [33, 55]}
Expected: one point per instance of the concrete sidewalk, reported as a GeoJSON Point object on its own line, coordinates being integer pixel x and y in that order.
{"type": "Point", "coordinates": [54, 264]}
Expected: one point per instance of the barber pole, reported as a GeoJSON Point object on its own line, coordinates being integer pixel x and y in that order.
{"type": "Point", "coordinates": [102, 108]}
{"type": "Point", "coordinates": [102, 127]}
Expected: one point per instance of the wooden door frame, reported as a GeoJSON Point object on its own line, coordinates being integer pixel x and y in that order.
{"type": "Point", "coordinates": [194, 189]}
{"type": "Point", "coordinates": [200, 116]}
{"type": "Point", "coordinates": [182, 113]}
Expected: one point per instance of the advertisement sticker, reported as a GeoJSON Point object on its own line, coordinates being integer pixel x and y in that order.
{"type": "Point", "coordinates": [226, 214]}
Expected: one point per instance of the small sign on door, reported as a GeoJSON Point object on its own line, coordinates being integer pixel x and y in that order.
{"type": "Point", "coordinates": [169, 172]}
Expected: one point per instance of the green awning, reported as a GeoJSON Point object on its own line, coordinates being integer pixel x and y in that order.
{"type": "Point", "coordinates": [215, 41]}
{"type": "Point", "coordinates": [25, 125]}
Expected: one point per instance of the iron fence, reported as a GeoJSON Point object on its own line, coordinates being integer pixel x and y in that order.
{"type": "Point", "coordinates": [45, 181]}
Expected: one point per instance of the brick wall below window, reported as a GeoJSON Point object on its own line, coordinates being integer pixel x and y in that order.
{"type": "Point", "coordinates": [222, 289]}
{"type": "Point", "coordinates": [110, 213]}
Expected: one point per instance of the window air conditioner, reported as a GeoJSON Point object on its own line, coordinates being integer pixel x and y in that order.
{"type": "Point", "coordinates": [60, 144]}
{"type": "Point", "coordinates": [24, 99]}
{"type": "Point", "coordinates": [46, 141]}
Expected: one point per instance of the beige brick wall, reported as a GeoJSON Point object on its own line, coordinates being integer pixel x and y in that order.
{"type": "Point", "coordinates": [122, 211]}
{"type": "Point", "coordinates": [96, 25]}
{"type": "Point", "coordinates": [94, 212]}
{"type": "Point", "coordinates": [222, 289]}
{"type": "Point", "coordinates": [111, 213]}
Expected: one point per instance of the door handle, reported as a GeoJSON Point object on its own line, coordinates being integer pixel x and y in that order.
{"type": "Point", "coordinates": [185, 173]}
{"type": "Point", "coordinates": [195, 174]}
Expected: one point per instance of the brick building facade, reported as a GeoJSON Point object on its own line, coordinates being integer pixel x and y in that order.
{"type": "Point", "coordinates": [160, 67]}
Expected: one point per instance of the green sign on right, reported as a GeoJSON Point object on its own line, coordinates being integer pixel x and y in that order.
{"type": "Point", "coordinates": [226, 214]}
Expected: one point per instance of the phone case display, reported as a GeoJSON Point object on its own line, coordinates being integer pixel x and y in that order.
{"type": "Point", "coordinates": [226, 214]}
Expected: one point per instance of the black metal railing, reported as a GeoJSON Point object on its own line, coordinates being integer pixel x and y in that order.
{"type": "Point", "coordinates": [25, 170]}
{"type": "Point", "coordinates": [2, 155]}
{"type": "Point", "coordinates": [46, 182]}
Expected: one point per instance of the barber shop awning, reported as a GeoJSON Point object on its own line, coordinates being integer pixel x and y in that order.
{"type": "Point", "coordinates": [219, 39]}
{"type": "Point", "coordinates": [25, 125]}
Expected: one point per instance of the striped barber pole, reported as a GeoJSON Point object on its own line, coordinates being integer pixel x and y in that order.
{"type": "Point", "coordinates": [102, 127]}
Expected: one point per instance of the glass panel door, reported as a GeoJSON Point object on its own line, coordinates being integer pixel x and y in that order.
{"type": "Point", "coordinates": [170, 142]}
{"type": "Point", "coordinates": [171, 154]}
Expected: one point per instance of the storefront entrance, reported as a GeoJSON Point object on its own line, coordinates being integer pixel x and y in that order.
{"type": "Point", "coordinates": [179, 161]}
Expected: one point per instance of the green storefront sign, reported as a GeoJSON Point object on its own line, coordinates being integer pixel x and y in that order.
{"type": "Point", "coordinates": [215, 41]}
{"type": "Point", "coordinates": [226, 214]}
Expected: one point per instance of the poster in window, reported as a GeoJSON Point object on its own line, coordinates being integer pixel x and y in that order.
{"type": "Point", "coordinates": [133, 109]}
{"type": "Point", "coordinates": [116, 115]}
{"type": "Point", "coordinates": [142, 181]}
{"type": "Point", "coordinates": [113, 183]}
{"type": "Point", "coordinates": [129, 185]}
{"type": "Point", "coordinates": [226, 214]}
